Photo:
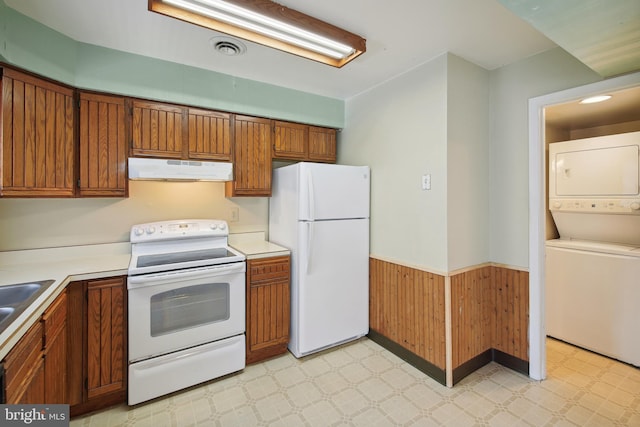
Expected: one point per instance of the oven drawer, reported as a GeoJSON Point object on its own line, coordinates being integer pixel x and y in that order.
{"type": "Point", "coordinates": [165, 374]}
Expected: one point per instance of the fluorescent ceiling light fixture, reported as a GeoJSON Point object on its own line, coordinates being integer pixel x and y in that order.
{"type": "Point", "coordinates": [270, 24]}
{"type": "Point", "coordinates": [594, 99]}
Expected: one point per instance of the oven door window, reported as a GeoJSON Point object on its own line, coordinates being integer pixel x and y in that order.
{"type": "Point", "coordinates": [189, 307]}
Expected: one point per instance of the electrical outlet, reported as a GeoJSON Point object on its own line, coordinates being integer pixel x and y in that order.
{"type": "Point", "coordinates": [426, 182]}
{"type": "Point", "coordinates": [235, 215]}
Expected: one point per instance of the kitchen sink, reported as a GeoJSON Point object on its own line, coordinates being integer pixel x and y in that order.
{"type": "Point", "coordinates": [16, 294]}
{"type": "Point", "coordinates": [5, 312]}
{"type": "Point", "coordinates": [15, 299]}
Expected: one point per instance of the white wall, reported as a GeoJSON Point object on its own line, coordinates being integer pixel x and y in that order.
{"type": "Point", "coordinates": [399, 129]}
{"type": "Point", "coordinates": [467, 163]}
{"type": "Point", "coordinates": [43, 223]}
{"type": "Point", "coordinates": [468, 127]}
{"type": "Point", "coordinates": [511, 88]}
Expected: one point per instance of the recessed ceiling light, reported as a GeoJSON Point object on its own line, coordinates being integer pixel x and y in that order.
{"type": "Point", "coordinates": [228, 46]}
{"type": "Point", "coordinates": [594, 99]}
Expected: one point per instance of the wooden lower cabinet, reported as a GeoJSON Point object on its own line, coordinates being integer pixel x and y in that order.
{"type": "Point", "coordinates": [268, 307]}
{"type": "Point", "coordinates": [24, 369]}
{"type": "Point", "coordinates": [35, 368]}
{"type": "Point", "coordinates": [54, 321]}
{"type": "Point", "coordinates": [97, 344]}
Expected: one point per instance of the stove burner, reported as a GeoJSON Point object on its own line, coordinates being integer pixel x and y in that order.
{"type": "Point", "coordinates": [179, 257]}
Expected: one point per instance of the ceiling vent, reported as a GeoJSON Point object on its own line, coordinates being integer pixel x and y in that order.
{"type": "Point", "coordinates": [228, 46]}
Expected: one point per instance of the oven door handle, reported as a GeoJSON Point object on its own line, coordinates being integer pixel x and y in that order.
{"type": "Point", "coordinates": [143, 280]}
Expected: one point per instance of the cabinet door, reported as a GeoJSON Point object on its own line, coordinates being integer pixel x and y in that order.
{"type": "Point", "coordinates": [37, 139]}
{"type": "Point", "coordinates": [291, 141]}
{"type": "Point", "coordinates": [268, 307]}
{"type": "Point", "coordinates": [103, 146]}
{"type": "Point", "coordinates": [34, 391]}
{"type": "Point", "coordinates": [23, 368]}
{"type": "Point", "coordinates": [106, 339]}
{"type": "Point", "coordinates": [209, 135]}
{"type": "Point", "coordinates": [322, 144]}
{"type": "Point", "coordinates": [252, 158]}
{"type": "Point", "coordinates": [55, 351]}
{"type": "Point", "coordinates": [158, 130]}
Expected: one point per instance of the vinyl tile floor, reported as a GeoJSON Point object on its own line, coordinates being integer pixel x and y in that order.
{"type": "Point", "coordinates": [362, 384]}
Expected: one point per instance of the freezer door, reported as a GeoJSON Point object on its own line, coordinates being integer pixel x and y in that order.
{"type": "Point", "coordinates": [331, 295]}
{"type": "Point", "coordinates": [333, 191]}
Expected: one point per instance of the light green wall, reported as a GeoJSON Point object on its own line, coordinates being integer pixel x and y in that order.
{"type": "Point", "coordinates": [34, 47]}
{"type": "Point", "coordinates": [511, 88]}
{"type": "Point", "coordinates": [119, 72]}
{"type": "Point", "coordinates": [399, 129]}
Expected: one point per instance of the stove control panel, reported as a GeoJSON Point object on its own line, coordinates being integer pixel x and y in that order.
{"type": "Point", "coordinates": [178, 229]}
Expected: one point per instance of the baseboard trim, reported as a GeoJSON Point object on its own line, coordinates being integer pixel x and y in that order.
{"type": "Point", "coordinates": [472, 365]}
{"type": "Point", "coordinates": [459, 373]}
{"type": "Point", "coordinates": [511, 362]}
{"type": "Point", "coordinates": [411, 358]}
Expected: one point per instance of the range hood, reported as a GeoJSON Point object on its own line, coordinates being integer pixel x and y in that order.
{"type": "Point", "coordinates": [179, 170]}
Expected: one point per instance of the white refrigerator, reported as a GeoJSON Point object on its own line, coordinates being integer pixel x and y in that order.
{"type": "Point", "coordinates": [321, 213]}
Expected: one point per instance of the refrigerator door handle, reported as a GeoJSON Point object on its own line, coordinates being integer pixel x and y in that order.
{"type": "Point", "coordinates": [310, 233]}
{"type": "Point", "coordinates": [312, 201]}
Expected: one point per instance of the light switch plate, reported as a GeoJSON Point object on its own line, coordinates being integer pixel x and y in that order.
{"type": "Point", "coordinates": [426, 182]}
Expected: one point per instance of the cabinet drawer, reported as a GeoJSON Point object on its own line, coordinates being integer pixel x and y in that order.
{"type": "Point", "coordinates": [54, 318]}
{"type": "Point", "coordinates": [269, 269]}
{"type": "Point", "coordinates": [22, 359]}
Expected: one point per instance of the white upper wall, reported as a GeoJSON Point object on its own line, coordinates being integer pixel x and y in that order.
{"type": "Point", "coordinates": [399, 129]}
{"type": "Point", "coordinates": [45, 223]}
{"type": "Point", "coordinates": [468, 128]}
{"type": "Point", "coordinates": [468, 147]}
{"type": "Point", "coordinates": [511, 88]}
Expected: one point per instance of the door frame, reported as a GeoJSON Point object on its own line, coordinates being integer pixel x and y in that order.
{"type": "Point", "coordinates": [538, 206]}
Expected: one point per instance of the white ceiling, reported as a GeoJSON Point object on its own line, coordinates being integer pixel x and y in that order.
{"type": "Point", "coordinates": [400, 35]}
{"type": "Point", "coordinates": [603, 34]}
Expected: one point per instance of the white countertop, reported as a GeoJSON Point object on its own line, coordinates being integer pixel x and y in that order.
{"type": "Point", "coordinates": [67, 264]}
{"type": "Point", "coordinates": [254, 245]}
{"type": "Point", "coordinates": [62, 265]}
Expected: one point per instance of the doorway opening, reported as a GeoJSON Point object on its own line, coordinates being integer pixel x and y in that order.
{"type": "Point", "coordinates": [556, 117]}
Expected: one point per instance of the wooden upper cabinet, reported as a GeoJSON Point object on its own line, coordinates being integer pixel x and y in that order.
{"type": "Point", "coordinates": [36, 137]}
{"type": "Point", "coordinates": [322, 144]}
{"type": "Point", "coordinates": [103, 146]}
{"type": "Point", "coordinates": [252, 158]}
{"type": "Point", "coordinates": [177, 132]}
{"type": "Point", "coordinates": [158, 130]}
{"type": "Point", "coordinates": [291, 141]}
{"type": "Point", "coordinates": [210, 135]}
{"type": "Point", "coordinates": [294, 141]}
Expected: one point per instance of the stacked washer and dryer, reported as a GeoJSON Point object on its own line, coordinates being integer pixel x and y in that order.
{"type": "Point", "coordinates": [593, 268]}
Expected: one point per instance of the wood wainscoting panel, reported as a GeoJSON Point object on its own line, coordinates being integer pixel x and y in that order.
{"type": "Point", "coordinates": [471, 314]}
{"type": "Point", "coordinates": [511, 314]}
{"type": "Point", "coordinates": [407, 306]}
